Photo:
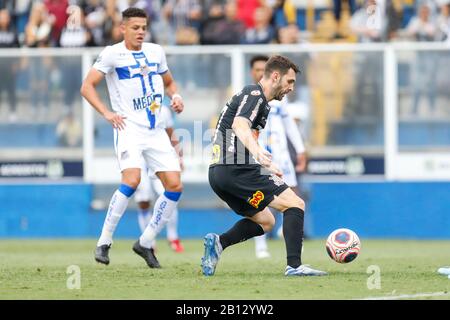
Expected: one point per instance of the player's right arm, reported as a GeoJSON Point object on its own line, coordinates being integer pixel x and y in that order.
{"type": "Point", "coordinates": [89, 92]}
{"type": "Point", "coordinates": [242, 128]}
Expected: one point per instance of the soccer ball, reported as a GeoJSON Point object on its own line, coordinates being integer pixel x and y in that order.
{"type": "Point", "coordinates": [343, 245]}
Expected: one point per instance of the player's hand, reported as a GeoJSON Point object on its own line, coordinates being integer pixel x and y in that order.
{"type": "Point", "coordinates": [115, 119]}
{"type": "Point", "coordinates": [264, 157]}
{"type": "Point", "coordinates": [301, 162]}
{"type": "Point", "coordinates": [177, 104]}
{"type": "Point", "coordinates": [275, 170]}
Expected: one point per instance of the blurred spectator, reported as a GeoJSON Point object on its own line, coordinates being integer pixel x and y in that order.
{"type": "Point", "coordinates": [95, 18]}
{"type": "Point", "coordinates": [433, 6]}
{"type": "Point", "coordinates": [111, 26]}
{"type": "Point", "coordinates": [157, 25]}
{"type": "Point", "coordinates": [207, 4]}
{"type": "Point", "coordinates": [113, 34]}
{"type": "Point", "coordinates": [337, 10]}
{"type": "Point", "coordinates": [368, 22]}
{"type": "Point", "coordinates": [74, 34]}
{"type": "Point", "coordinates": [284, 19]}
{"type": "Point", "coordinates": [37, 31]}
{"type": "Point", "coordinates": [22, 9]}
{"type": "Point", "coordinates": [8, 36]}
{"type": "Point", "coordinates": [8, 66]}
{"type": "Point", "coordinates": [246, 11]}
{"type": "Point", "coordinates": [443, 22]}
{"type": "Point", "coordinates": [69, 131]}
{"type": "Point", "coordinates": [422, 28]}
{"type": "Point", "coordinates": [184, 17]}
{"type": "Point", "coordinates": [7, 4]}
{"type": "Point", "coordinates": [284, 14]}
{"type": "Point", "coordinates": [57, 10]}
{"type": "Point", "coordinates": [443, 34]}
{"type": "Point", "coordinates": [263, 31]}
{"type": "Point", "coordinates": [222, 27]}
{"type": "Point", "coordinates": [122, 5]}
{"type": "Point", "coordinates": [394, 16]}
{"type": "Point", "coordinates": [289, 34]}
{"type": "Point", "coordinates": [37, 34]}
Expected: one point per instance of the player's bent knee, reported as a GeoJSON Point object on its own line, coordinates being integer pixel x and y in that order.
{"type": "Point", "coordinates": [294, 202]}
{"type": "Point", "coordinates": [268, 224]}
{"type": "Point", "coordinates": [268, 227]}
{"type": "Point", "coordinates": [299, 203]}
{"type": "Point", "coordinates": [175, 187]}
{"type": "Point", "coordinates": [132, 181]}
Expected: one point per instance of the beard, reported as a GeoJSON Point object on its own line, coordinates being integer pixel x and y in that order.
{"type": "Point", "coordinates": [279, 96]}
{"type": "Point", "coordinates": [279, 93]}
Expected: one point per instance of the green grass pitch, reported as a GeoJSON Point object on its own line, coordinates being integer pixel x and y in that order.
{"type": "Point", "coordinates": [40, 269]}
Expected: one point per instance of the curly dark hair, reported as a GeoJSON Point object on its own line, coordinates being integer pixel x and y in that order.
{"type": "Point", "coordinates": [133, 13]}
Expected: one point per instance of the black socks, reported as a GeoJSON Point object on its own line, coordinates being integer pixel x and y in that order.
{"type": "Point", "coordinates": [243, 229]}
{"type": "Point", "coordinates": [293, 235]}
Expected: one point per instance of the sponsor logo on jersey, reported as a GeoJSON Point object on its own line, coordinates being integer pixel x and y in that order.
{"type": "Point", "coordinates": [255, 93]}
{"type": "Point", "coordinates": [256, 199]}
{"type": "Point", "coordinates": [145, 102]}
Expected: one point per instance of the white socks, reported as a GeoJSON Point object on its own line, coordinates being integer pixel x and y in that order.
{"type": "Point", "coordinates": [117, 207]}
{"type": "Point", "coordinates": [144, 217]}
{"type": "Point", "coordinates": [162, 212]}
{"type": "Point", "coordinates": [172, 226]}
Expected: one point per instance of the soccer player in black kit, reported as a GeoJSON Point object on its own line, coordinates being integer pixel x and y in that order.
{"type": "Point", "coordinates": [242, 173]}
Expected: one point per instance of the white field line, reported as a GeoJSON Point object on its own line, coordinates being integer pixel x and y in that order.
{"type": "Point", "coordinates": [409, 296]}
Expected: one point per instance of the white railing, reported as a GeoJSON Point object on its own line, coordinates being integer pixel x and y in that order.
{"type": "Point", "coordinates": [398, 166]}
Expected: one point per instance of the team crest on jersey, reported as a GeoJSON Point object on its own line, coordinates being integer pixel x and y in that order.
{"type": "Point", "coordinates": [144, 69]}
{"type": "Point", "coordinates": [256, 199]}
{"type": "Point", "coordinates": [255, 93]}
{"type": "Point", "coordinates": [215, 154]}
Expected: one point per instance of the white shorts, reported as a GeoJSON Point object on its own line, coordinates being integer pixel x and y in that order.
{"type": "Point", "coordinates": [149, 189]}
{"type": "Point", "coordinates": [136, 144]}
{"type": "Point", "coordinates": [286, 166]}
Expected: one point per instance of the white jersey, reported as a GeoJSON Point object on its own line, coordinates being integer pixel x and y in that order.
{"type": "Point", "coordinates": [134, 80]}
{"type": "Point", "coordinates": [167, 117]}
{"type": "Point", "coordinates": [150, 187]}
{"type": "Point", "coordinates": [273, 138]}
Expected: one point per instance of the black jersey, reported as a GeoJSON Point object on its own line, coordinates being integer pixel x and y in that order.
{"type": "Point", "coordinates": [251, 104]}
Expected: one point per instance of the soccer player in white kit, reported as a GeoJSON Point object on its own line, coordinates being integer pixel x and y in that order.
{"type": "Point", "coordinates": [151, 188]}
{"type": "Point", "coordinates": [280, 126]}
{"type": "Point", "coordinates": [136, 75]}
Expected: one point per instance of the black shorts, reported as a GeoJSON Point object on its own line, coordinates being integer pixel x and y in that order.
{"type": "Point", "coordinates": [244, 187]}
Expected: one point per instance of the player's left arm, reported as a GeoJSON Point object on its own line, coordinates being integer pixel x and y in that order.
{"type": "Point", "coordinates": [293, 134]}
{"type": "Point", "coordinates": [176, 144]}
{"type": "Point", "coordinates": [171, 89]}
